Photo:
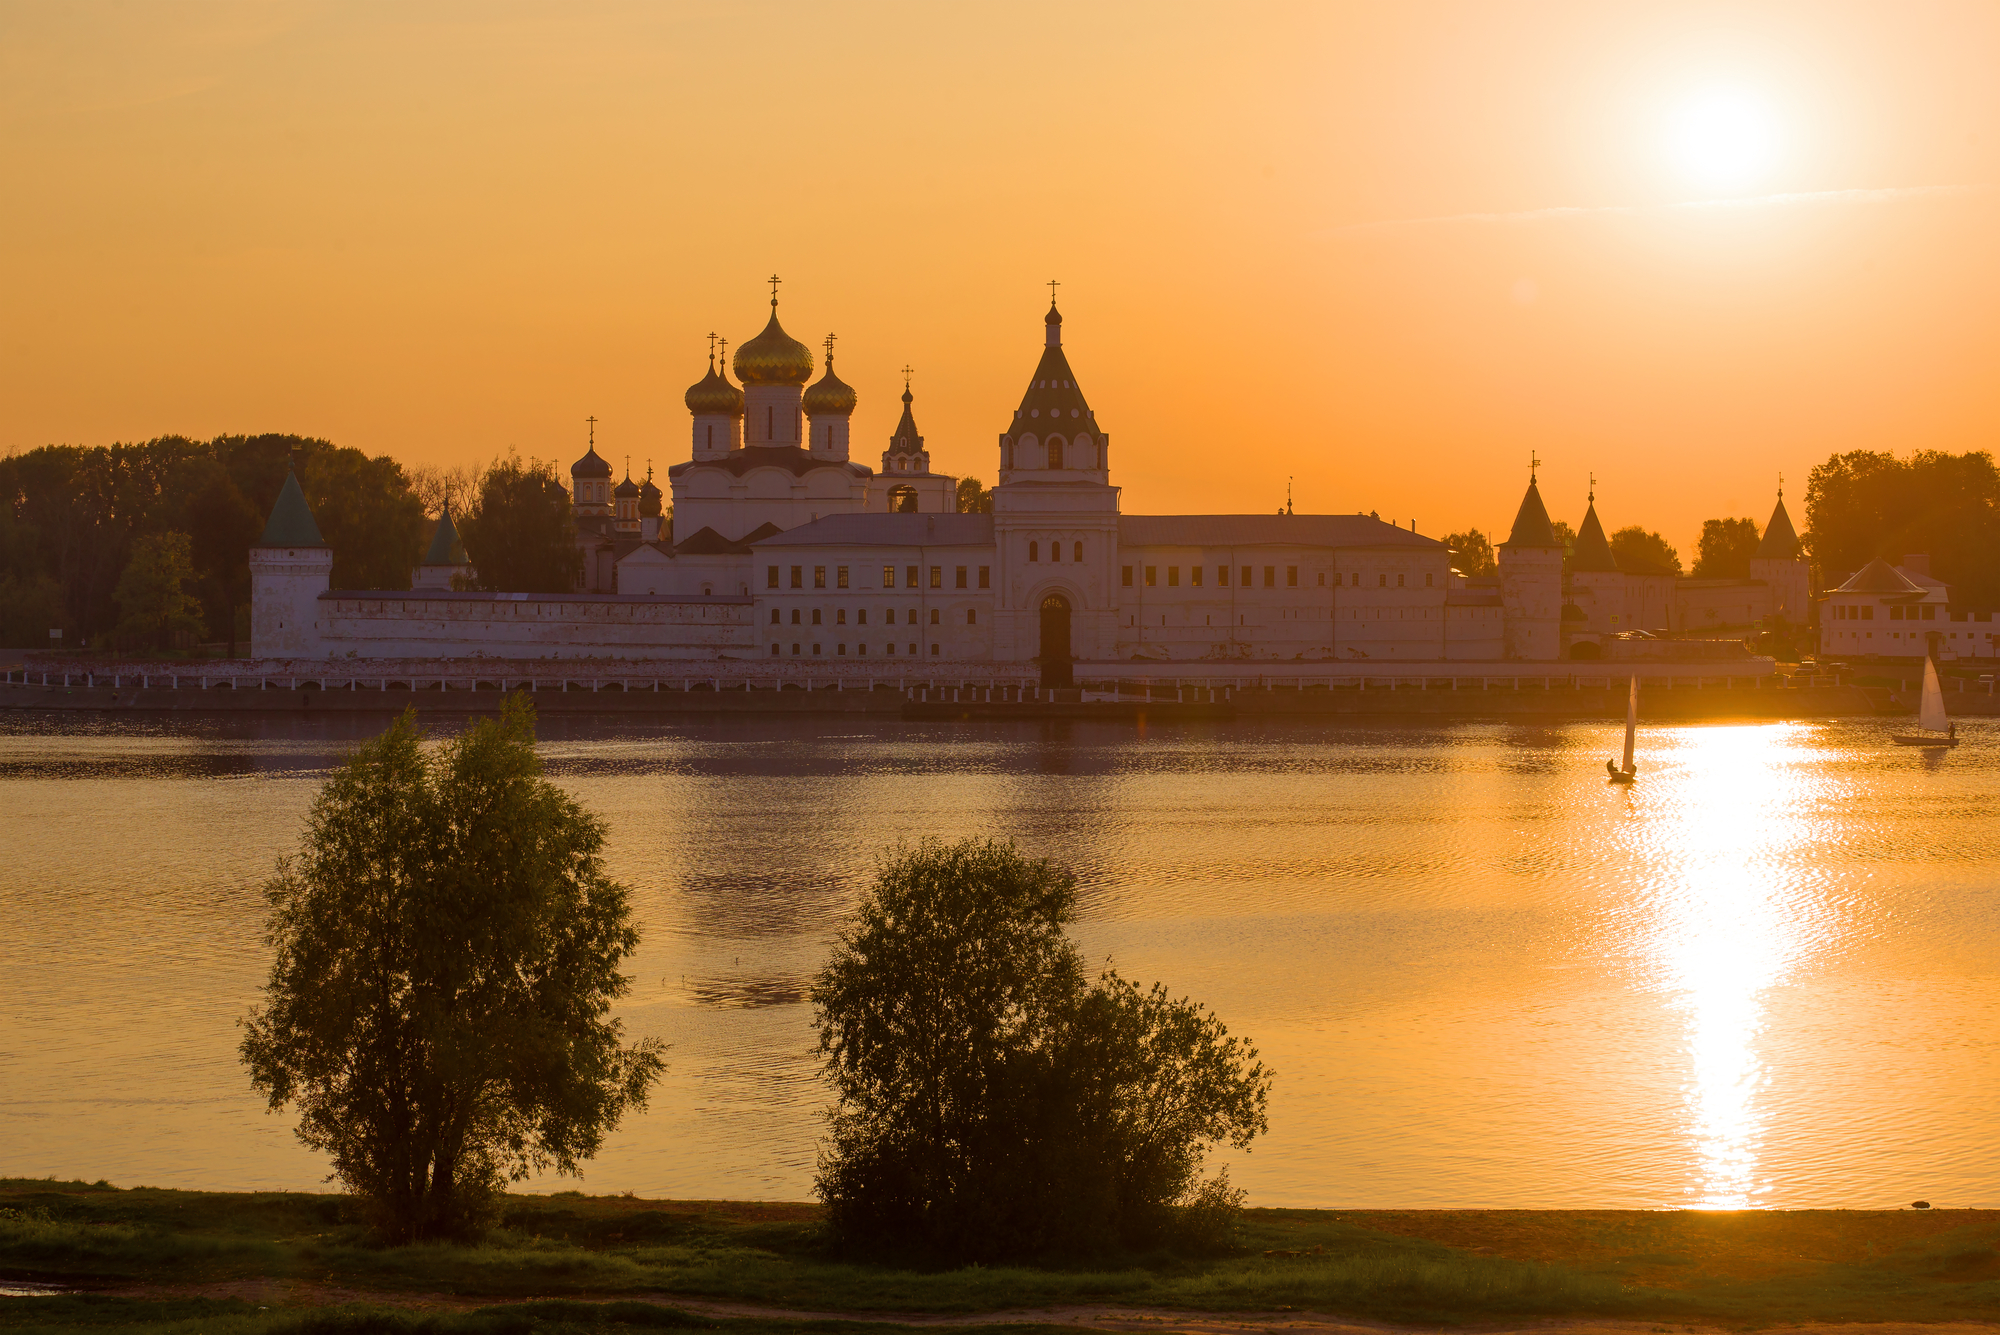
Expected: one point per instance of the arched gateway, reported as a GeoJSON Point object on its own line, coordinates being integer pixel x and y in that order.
{"type": "Point", "coordinates": [1055, 655]}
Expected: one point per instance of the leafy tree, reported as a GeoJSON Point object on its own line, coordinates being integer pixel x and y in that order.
{"type": "Point", "coordinates": [30, 607]}
{"type": "Point", "coordinates": [1639, 551]}
{"type": "Point", "coordinates": [152, 594]}
{"type": "Point", "coordinates": [1726, 548]}
{"type": "Point", "coordinates": [447, 949]}
{"type": "Point", "coordinates": [437, 486]}
{"type": "Point", "coordinates": [990, 1102]}
{"type": "Point", "coordinates": [368, 515]}
{"type": "Point", "coordinates": [1866, 504]}
{"type": "Point", "coordinates": [519, 534]}
{"type": "Point", "coordinates": [1566, 536]}
{"type": "Point", "coordinates": [1472, 553]}
{"type": "Point", "coordinates": [973, 497]}
{"type": "Point", "coordinates": [225, 524]}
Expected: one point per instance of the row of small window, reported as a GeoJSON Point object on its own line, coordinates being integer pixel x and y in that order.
{"type": "Point", "coordinates": [1850, 612]}
{"type": "Point", "coordinates": [911, 576]}
{"type": "Point", "coordinates": [1055, 551]}
{"type": "Point", "coordinates": [1249, 577]}
{"type": "Point", "coordinates": [860, 650]}
{"type": "Point", "coordinates": [861, 616]}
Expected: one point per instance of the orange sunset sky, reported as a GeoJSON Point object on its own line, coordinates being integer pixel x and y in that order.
{"type": "Point", "coordinates": [1383, 249]}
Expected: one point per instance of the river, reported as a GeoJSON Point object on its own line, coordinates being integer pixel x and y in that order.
{"type": "Point", "coordinates": [1766, 975]}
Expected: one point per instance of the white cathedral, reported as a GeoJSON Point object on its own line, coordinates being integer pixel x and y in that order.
{"type": "Point", "coordinates": [781, 547]}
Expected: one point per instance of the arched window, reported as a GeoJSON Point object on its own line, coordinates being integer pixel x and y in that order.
{"type": "Point", "coordinates": [1055, 550]}
{"type": "Point", "coordinates": [1055, 452]}
{"type": "Point", "coordinates": [1034, 551]}
{"type": "Point", "coordinates": [1079, 452]}
{"type": "Point", "coordinates": [1077, 555]}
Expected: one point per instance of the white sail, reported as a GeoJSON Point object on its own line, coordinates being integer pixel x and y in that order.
{"type": "Point", "coordinates": [1930, 714]}
{"type": "Point", "coordinates": [1632, 721]}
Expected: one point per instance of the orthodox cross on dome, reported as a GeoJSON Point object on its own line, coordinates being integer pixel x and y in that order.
{"type": "Point", "coordinates": [908, 371]}
{"type": "Point", "coordinates": [1052, 291]}
{"type": "Point", "coordinates": [593, 431]}
{"type": "Point", "coordinates": [828, 345]}
{"type": "Point", "coordinates": [711, 347]}
{"type": "Point", "coordinates": [1533, 463]}
{"type": "Point", "coordinates": [1593, 488]}
{"type": "Point", "coordinates": [723, 343]}
{"type": "Point", "coordinates": [774, 280]}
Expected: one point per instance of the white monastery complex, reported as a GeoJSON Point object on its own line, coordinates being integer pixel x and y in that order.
{"type": "Point", "coordinates": [781, 546]}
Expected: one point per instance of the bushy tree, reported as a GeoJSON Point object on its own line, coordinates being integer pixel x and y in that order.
{"type": "Point", "coordinates": [447, 949]}
{"type": "Point", "coordinates": [153, 597]}
{"type": "Point", "coordinates": [1472, 553]}
{"type": "Point", "coordinates": [519, 534]}
{"type": "Point", "coordinates": [973, 497]}
{"type": "Point", "coordinates": [1640, 551]}
{"type": "Point", "coordinates": [1866, 504]}
{"type": "Point", "coordinates": [1727, 545]}
{"type": "Point", "coordinates": [991, 1102]}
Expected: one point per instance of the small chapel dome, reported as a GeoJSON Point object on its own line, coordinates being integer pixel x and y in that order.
{"type": "Point", "coordinates": [650, 497]}
{"type": "Point", "coordinates": [773, 357]}
{"type": "Point", "coordinates": [626, 488]}
{"type": "Point", "coordinates": [714, 396]}
{"type": "Point", "coordinates": [830, 396]}
{"type": "Point", "coordinates": [590, 465]}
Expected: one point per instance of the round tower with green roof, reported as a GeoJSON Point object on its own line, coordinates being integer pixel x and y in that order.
{"type": "Point", "coordinates": [290, 567]}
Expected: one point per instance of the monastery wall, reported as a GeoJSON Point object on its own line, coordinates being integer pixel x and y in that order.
{"type": "Point", "coordinates": [428, 624]}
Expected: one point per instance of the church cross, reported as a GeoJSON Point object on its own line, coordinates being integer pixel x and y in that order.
{"type": "Point", "coordinates": [908, 371]}
{"type": "Point", "coordinates": [774, 281]}
{"type": "Point", "coordinates": [1781, 486]}
{"type": "Point", "coordinates": [1533, 464]}
{"type": "Point", "coordinates": [711, 347]}
{"type": "Point", "coordinates": [593, 431]}
{"type": "Point", "coordinates": [829, 350]}
{"type": "Point", "coordinates": [1052, 291]}
{"type": "Point", "coordinates": [725, 354]}
{"type": "Point", "coordinates": [1593, 487]}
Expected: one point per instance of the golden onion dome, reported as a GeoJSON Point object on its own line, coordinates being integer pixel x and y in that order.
{"type": "Point", "coordinates": [774, 357]}
{"type": "Point", "coordinates": [830, 396]}
{"type": "Point", "coordinates": [714, 396]}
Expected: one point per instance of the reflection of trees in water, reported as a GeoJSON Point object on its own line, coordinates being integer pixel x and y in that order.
{"type": "Point", "coordinates": [748, 993]}
{"type": "Point", "coordinates": [790, 894]}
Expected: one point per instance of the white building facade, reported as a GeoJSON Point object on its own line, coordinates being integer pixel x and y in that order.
{"type": "Point", "coordinates": [783, 547]}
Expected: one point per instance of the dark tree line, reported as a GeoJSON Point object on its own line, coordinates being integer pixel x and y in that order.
{"type": "Point", "coordinates": [1866, 504]}
{"type": "Point", "coordinates": [72, 519]}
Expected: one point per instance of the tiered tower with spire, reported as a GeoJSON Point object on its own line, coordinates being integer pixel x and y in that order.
{"type": "Point", "coordinates": [1596, 586]}
{"type": "Point", "coordinates": [1531, 573]}
{"type": "Point", "coordinates": [1055, 521]}
{"type": "Point", "coordinates": [446, 562]}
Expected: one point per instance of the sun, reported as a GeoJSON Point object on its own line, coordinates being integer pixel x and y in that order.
{"type": "Point", "coordinates": [1723, 139]}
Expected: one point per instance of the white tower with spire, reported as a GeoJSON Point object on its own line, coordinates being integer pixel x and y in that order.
{"type": "Point", "coordinates": [1531, 574]}
{"type": "Point", "coordinates": [1780, 561]}
{"type": "Point", "coordinates": [1055, 523]}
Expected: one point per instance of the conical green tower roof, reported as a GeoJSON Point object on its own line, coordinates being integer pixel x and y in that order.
{"type": "Point", "coordinates": [1531, 523]}
{"type": "Point", "coordinates": [446, 549]}
{"type": "Point", "coordinates": [291, 518]}
{"type": "Point", "coordinates": [1781, 541]}
{"type": "Point", "coordinates": [1592, 552]}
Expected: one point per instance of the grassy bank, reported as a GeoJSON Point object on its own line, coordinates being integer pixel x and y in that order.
{"type": "Point", "coordinates": [215, 1262]}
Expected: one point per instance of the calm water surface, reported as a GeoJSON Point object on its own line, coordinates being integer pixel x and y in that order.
{"type": "Point", "coordinates": [1765, 976]}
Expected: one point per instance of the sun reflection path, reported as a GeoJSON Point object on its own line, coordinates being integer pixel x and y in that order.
{"type": "Point", "coordinates": [1727, 914]}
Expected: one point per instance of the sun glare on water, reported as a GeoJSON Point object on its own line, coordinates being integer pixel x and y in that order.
{"type": "Point", "coordinates": [1723, 139]}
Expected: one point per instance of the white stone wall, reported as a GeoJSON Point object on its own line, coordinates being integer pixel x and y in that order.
{"type": "Point", "coordinates": [419, 624]}
{"type": "Point", "coordinates": [1531, 602]}
{"type": "Point", "coordinates": [734, 506]}
{"type": "Point", "coordinates": [716, 434]}
{"type": "Point", "coordinates": [772, 414]}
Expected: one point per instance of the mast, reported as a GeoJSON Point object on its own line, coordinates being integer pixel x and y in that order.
{"type": "Point", "coordinates": [1631, 721]}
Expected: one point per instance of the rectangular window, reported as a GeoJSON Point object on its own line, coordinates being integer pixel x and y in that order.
{"type": "Point", "coordinates": [1222, 577]}
{"type": "Point", "coordinates": [1270, 577]}
{"type": "Point", "coordinates": [1125, 576]}
{"type": "Point", "coordinates": [1152, 576]}
{"type": "Point", "coordinates": [1930, 614]}
{"type": "Point", "coordinates": [971, 616]}
{"type": "Point", "coordinates": [819, 577]}
{"type": "Point", "coordinates": [861, 619]}
{"type": "Point", "coordinates": [960, 576]}
{"type": "Point", "coordinates": [985, 577]}
{"type": "Point", "coordinates": [1868, 613]}
{"type": "Point", "coordinates": [795, 616]}
{"type": "Point", "coordinates": [1399, 581]}
{"type": "Point", "coordinates": [840, 617]}
{"type": "Point", "coordinates": [1427, 581]}
{"type": "Point", "coordinates": [1194, 576]}
{"type": "Point", "coordinates": [1246, 581]}
{"type": "Point", "coordinates": [937, 577]}
{"type": "Point", "coordinates": [888, 577]}
{"type": "Point", "coordinates": [1291, 577]}
{"type": "Point", "coordinates": [770, 577]}
{"type": "Point", "coordinates": [934, 616]}
{"type": "Point", "coordinates": [910, 576]}
{"type": "Point", "coordinates": [840, 577]}
{"type": "Point", "coordinates": [1173, 577]}
{"type": "Point", "coordinates": [1895, 614]}
{"type": "Point", "coordinates": [1322, 579]}
{"type": "Point", "coordinates": [1381, 581]}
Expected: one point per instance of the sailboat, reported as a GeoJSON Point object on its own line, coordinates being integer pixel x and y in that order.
{"type": "Point", "coordinates": [1935, 728]}
{"type": "Point", "coordinates": [1629, 771]}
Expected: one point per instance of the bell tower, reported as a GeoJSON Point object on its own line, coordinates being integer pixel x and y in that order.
{"type": "Point", "coordinates": [1055, 521]}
